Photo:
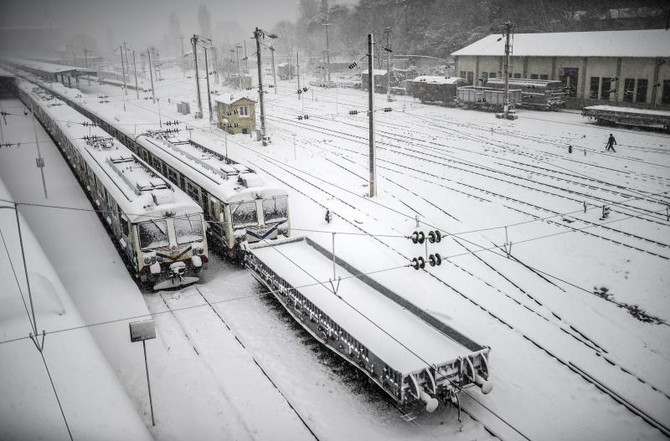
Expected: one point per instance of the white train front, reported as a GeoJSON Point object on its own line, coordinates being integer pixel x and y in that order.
{"type": "Point", "coordinates": [158, 229]}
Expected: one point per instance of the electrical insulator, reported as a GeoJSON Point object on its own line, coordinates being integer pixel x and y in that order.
{"type": "Point", "coordinates": [418, 237]}
{"type": "Point", "coordinates": [387, 109]}
{"type": "Point", "coordinates": [434, 236]}
{"type": "Point", "coordinates": [418, 263]}
{"type": "Point", "coordinates": [304, 89]}
{"type": "Point", "coordinates": [435, 259]}
{"type": "Point", "coordinates": [353, 112]}
{"type": "Point", "coordinates": [352, 65]}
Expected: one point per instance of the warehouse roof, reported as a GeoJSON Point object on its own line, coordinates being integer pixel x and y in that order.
{"type": "Point", "coordinates": [642, 43]}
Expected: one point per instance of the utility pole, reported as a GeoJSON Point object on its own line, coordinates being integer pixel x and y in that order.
{"type": "Point", "coordinates": [239, 71]}
{"type": "Point", "coordinates": [274, 73]}
{"type": "Point", "coordinates": [508, 30]}
{"type": "Point", "coordinates": [137, 89]}
{"type": "Point", "coordinates": [123, 70]}
{"type": "Point", "coordinates": [209, 98]}
{"type": "Point", "coordinates": [151, 75]}
{"type": "Point", "coordinates": [194, 42]}
{"type": "Point", "coordinates": [86, 64]}
{"type": "Point", "coordinates": [371, 115]}
{"type": "Point", "coordinates": [246, 59]}
{"type": "Point", "coordinates": [327, 54]}
{"type": "Point", "coordinates": [388, 31]}
{"type": "Point", "coordinates": [257, 35]}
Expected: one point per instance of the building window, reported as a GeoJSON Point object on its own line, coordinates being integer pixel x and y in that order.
{"type": "Point", "coordinates": [544, 76]}
{"type": "Point", "coordinates": [470, 76]}
{"type": "Point", "coordinates": [484, 78]}
{"type": "Point", "coordinates": [492, 74]}
{"type": "Point", "coordinates": [593, 89]}
{"type": "Point", "coordinates": [517, 75]}
{"type": "Point", "coordinates": [641, 96]}
{"type": "Point", "coordinates": [606, 88]}
{"type": "Point", "coordinates": [462, 74]}
{"type": "Point", "coordinates": [629, 89]}
{"type": "Point", "coordinates": [665, 98]}
{"type": "Point", "coordinates": [533, 76]}
{"type": "Point", "coordinates": [243, 111]}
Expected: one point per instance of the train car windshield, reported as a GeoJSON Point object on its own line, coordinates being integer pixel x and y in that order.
{"type": "Point", "coordinates": [244, 214]}
{"type": "Point", "coordinates": [153, 234]}
{"type": "Point", "coordinates": [188, 228]}
{"type": "Point", "coordinates": [275, 209]}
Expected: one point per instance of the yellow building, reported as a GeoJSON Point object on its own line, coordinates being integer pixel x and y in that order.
{"type": "Point", "coordinates": [236, 114]}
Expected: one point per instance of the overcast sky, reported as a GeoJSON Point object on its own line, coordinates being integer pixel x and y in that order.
{"type": "Point", "coordinates": [145, 21]}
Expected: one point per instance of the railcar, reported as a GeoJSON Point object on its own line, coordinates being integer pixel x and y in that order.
{"type": "Point", "coordinates": [535, 94]}
{"type": "Point", "coordinates": [240, 208]}
{"type": "Point", "coordinates": [415, 358]}
{"type": "Point", "coordinates": [435, 89]}
{"type": "Point", "coordinates": [628, 116]}
{"type": "Point", "coordinates": [486, 98]}
{"type": "Point", "coordinates": [158, 229]}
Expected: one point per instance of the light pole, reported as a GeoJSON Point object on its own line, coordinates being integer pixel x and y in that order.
{"type": "Point", "coordinates": [327, 54]}
{"type": "Point", "coordinates": [151, 75]}
{"type": "Point", "coordinates": [194, 42]}
{"type": "Point", "coordinates": [239, 71]}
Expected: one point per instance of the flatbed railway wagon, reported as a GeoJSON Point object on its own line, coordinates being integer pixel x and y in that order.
{"type": "Point", "coordinates": [435, 89]}
{"type": "Point", "coordinates": [239, 207]}
{"type": "Point", "coordinates": [535, 94]}
{"type": "Point", "coordinates": [415, 358]}
{"type": "Point", "coordinates": [486, 98]}
{"type": "Point", "coordinates": [158, 229]}
{"type": "Point", "coordinates": [628, 116]}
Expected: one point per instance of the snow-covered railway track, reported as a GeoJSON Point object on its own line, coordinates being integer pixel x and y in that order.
{"type": "Point", "coordinates": [223, 352]}
{"type": "Point", "coordinates": [584, 229]}
{"type": "Point", "coordinates": [554, 353]}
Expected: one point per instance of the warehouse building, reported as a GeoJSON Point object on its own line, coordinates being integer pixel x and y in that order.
{"type": "Point", "coordinates": [627, 68]}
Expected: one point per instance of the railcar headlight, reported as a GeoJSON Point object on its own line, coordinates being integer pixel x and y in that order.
{"type": "Point", "coordinates": [147, 260]}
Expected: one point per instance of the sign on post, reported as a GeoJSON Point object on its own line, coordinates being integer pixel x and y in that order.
{"type": "Point", "coordinates": [143, 331]}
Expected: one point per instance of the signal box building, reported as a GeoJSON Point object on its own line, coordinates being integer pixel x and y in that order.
{"type": "Point", "coordinates": [236, 115]}
{"type": "Point", "coordinates": [626, 68]}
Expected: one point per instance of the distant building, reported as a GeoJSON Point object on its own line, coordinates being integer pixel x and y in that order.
{"type": "Point", "coordinates": [629, 68]}
{"type": "Point", "coordinates": [236, 115]}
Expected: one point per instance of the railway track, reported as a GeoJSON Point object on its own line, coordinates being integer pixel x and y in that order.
{"type": "Point", "coordinates": [546, 211]}
{"type": "Point", "coordinates": [570, 330]}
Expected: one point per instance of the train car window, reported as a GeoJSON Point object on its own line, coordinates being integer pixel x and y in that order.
{"type": "Point", "coordinates": [125, 228]}
{"type": "Point", "coordinates": [275, 209]}
{"type": "Point", "coordinates": [641, 96]}
{"type": "Point", "coordinates": [153, 234]}
{"type": "Point", "coordinates": [188, 228]}
{"type": "Point", "coordinates": [172, 175]}
{"type": "Point", "coordinates": [244, 214]}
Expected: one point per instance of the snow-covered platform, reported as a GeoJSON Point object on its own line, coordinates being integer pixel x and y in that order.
{"type": "Point", "coordinates": [406, 351]}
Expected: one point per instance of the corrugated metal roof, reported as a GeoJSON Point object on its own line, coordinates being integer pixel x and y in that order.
{"type": "Point", "coordinates": [638, 44]}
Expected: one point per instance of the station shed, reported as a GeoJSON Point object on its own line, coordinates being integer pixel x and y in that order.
{"type": "Point", "coordinates": [236, 114]}
{"type": "Point", "coordinates": [630, 68]}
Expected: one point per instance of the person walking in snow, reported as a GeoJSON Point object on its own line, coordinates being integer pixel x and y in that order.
{"type": "Point", "coordinates": [610, 143]}
{"type": "Point", "coordinates": [329, 216]}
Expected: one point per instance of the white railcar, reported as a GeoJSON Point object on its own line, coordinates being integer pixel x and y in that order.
{"type": "Point", "coordinates": [158, 229]}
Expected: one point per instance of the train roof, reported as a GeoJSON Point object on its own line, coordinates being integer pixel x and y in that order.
{"type": "Point", "coordinates": [139, 190]}
{"type": "Point", "coordinates": [228, 182]}
{"type": "Point", "coordinates": [435, 79]}
{"type": "Point", "coordinates": [526, 82]}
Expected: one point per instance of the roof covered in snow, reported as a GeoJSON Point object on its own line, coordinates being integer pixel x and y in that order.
{"type": "Point", "coordinates": [434, 79]}
{"type": "Point", "coordinates": [232, 99]}
{"type": "Point", "coordinates": [639, 44]}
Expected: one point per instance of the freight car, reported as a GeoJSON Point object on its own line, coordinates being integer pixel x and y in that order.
{"type": "Point", "coordinates": [435, 89]}
{"type": "Point", "coordinates": [628, 116]}
{"type": "Point", "coordinates": [486, 98]}
{"type": "Point", "coordinates": [535, 94]}
{"type": "Point", "coordinates": [158, 229]}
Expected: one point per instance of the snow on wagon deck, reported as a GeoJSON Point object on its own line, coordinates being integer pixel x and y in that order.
{"type": "Point", "coordinates": [381, 324]}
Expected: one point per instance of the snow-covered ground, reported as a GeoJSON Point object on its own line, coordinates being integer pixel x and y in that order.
{"type": "Point", "coordinates": [559, 309]}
